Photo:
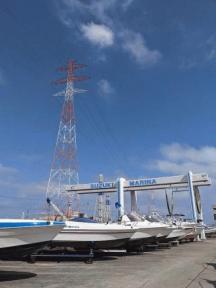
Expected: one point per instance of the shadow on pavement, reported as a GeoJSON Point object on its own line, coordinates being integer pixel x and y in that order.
{"type": "Point", "coordinates": [62, 258]}
{"type": "Point", "coordinates": [212, 264]}
{"type": "Point", "coordinates": [213, 283]}
{"type": "Point", "coordinates": [15, 275]}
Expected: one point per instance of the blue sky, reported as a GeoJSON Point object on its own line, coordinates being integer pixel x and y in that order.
{"type": "Point", "coordinates": [150, 105]}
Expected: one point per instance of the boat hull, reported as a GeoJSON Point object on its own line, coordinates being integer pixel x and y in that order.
{"type": "Point", "coordinates": [20, 240]}
{"type": "Point", "coordinates": [98, 236]}
{"type": "Point", "coordinates": [20, 252]}
{"type": "Point", "coordinates": [96, 245]}
{"type": "Point", "coordinates": [11, 237]}
{"type": "Point", "coordinates": [138, 244]}
{"type": "Point", "coordinates": [156, 231]}
{"type": "Point", "coordinates": [176, 234]}
{"type": "Point", "coordinates": [92, 239]}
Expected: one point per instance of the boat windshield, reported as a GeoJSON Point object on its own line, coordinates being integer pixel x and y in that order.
{"type": "Point", "coordinates": [151, 219]}
{"type": "Point", "coordinates": [83, 220]}
{"type": "Point", "coordinates": [134, 217]}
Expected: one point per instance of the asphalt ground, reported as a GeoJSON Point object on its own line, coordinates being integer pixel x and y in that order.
{"type": "Point", "coordinates": [188, 265]}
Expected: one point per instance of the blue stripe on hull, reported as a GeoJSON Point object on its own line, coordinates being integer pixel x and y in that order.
{"type": "Point", "coordinates": [26, 224]}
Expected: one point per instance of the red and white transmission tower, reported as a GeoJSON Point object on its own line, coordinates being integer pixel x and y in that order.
{"type": "Point", "coordinates": [64, 168]}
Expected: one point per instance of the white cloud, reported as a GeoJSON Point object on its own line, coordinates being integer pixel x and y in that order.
{"type": "Point", "coordinates": [212, 54]}
{"type": "Point", "coordinates": [135, 45]}
{"type": "Point", "coordinates": [30, 157]}
{"type": "Point", "coordinates": [32, 189]}
{"type": "Point", "coordinates": [97, 9]}
{"type": "Point", "coordinates": [198, 52]}
{"type": "Point", "coordinates": [211, 48]}
{"type": "Point", "coordinates": [126, 4]}
{"type": "Point", "coordinates": [188, 63]}
{"type": "Point", "coordinates": [18, 195]}
{"type": "Point", "coordinates": [109, 27]}
{"type": "Point", "coordinates": [104, 88]}
{"type": "Point", "coordinates": [5, 170]}
{"type": "Point", "coordinates": [101, 58]}
{"type": "Point", "coordinates": [176, 158]}
{"type": "Point", "coordinates": [100, 35]}
{"type": "Point", "coordinates": [176, 151]}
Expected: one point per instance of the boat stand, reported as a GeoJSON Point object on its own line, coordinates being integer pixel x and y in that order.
{"type": "Point", "coordinates": [88, 257]}
{"type": "Point", "coordinates": [163, 245]}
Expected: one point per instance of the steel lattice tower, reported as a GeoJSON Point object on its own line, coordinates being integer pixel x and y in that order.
{"type": "Point", "coordinates": [64, 168]}
{"type": "Point", "coordinates": [103, 213]}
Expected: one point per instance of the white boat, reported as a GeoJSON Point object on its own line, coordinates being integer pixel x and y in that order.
{"type": "Point", "coordinates": [149, 225]}
{"type": "Point", "coordinates": [20, 237]}
{"type": "Point", "coordinates": [146, 231]}
{"type": "Point", "coordinates": [189, 229]}
{"type": "Point", "coordinates": [173, 231]}
{"type": "Point", "coordinates": [139, 238]}
{"type": "Point", "coordinates": [192, 229]}
{"type": "Point", "coordinates": [210, 230]}
{"type": "Point", "coordinates": [177, 233]}
{"type": "Point", "coordinates": [84, 233]}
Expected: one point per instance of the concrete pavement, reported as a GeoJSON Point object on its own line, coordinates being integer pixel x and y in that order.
{"type": "Point", "coordinates": [189, 265]}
